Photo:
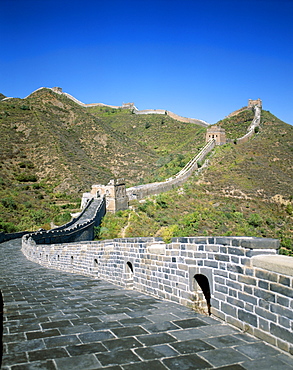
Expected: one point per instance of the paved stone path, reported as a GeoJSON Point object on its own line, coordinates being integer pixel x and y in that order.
{"type": "Point", "coordinates": [56, 320]}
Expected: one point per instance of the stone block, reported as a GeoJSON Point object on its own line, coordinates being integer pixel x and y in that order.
{"type": "Point", "coordinates": [234, 285]}
{"type": "Point", "coordinates": [235, 268]}
{"type": "Point", "coordinates": [219, 280]}
{"type": "Point", "coordinates": [284, 280]}
{"type": "Point", "coordinates": [281, 289]}
{"type": "Point", "coordinates": [282, 333]}
{"type": "Point", "coordinates": [283, 301]}
{"type": "Point", "coordinates": [228, 309]}
{"type": "Point", "coordinates": [235, 251]}
{"type": "Point", "coordinates": [263, 324]}
{"type": "Point", "coordinates": [265, 314]}
{"type": "Point", "coordinates": [222, 257]}
{"type": "Point", "coordinates": [248, 289]}
{"type": "Point", "coordinates": [247, 280]}
{"type": "Point", "coordinates": [263, 284]}
{"type": "Point", "coordinates": [264, 294]}
{"type": "Point", "coordinates": [213, 264]}
{"type": "Point", "coordinates": [267, 337]}
{"type": "Point", "coordinates": [282, 311]}
{"type": "Point", "coordinates": [233, 321]}
{"type": "Point", "coordinates": [247, 317]}
{"type": "Point", "coordinates": [284, 322]}
{"type": "Point", "coordinates": [235, 260]}
{"type": "Point", "coordinates": [221, 288]}
{"type": "Point", "coordinates": [247, 298]}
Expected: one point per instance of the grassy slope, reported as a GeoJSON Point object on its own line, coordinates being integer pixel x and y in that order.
{"type": "Point", "coordinates": [246, 190]}
{"type": "Point", "coordinates": [52, 150]}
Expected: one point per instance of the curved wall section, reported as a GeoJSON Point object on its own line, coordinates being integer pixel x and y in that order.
{"type": "Point", "coordinates": [242, 278]}
{"type": "Point", "coordinates": [142, 191]}
{"type": "Point", "coordinates": [78, 229]}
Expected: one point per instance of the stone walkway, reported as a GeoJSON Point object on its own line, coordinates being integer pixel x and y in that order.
{"type": "Point", "coordinates": [56, 320]}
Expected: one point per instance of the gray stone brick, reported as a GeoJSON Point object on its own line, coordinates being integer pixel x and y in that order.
{"type": "Point", "coordinates": [264, 304]}
{"type": "Point", "coordinates": [213, 264]}
{"type": "Point", "coordinates": [235, 260]}
{"type": "Point", "coordinates": [232, 292]}
{"type": "Point", "coordinates": [263, 284]}
{"type": "Point", "coordinates": [223, 250]}
{"type": "Point", "coordinates": [284, 321]}
{"type": "Point", "coordinates": [281, 289]}
{"type": "Point", "coordinates": [263, 324]}
{"type": "Point", "coordinates": [228, 309]}
{"type": "Point", "coordinates": [279, 310]}
{"type": "Point", "coordinates": [235, 251]}
{"type": "Point", "coordinates": [283, 301]}
{"type": "Point", "coordinates": [222, 257]}
{"type": "Point", "coordinates": [264, 294]}
{"type": "Point", "coordinates": [234, 285]}
{"type": "Point", "coordinates": [221, 288]}
{"type": "Point", "coordinates": [265, 275]}
{"type": "Point", "coordinates": [265, 314]}
{"type": "Point", "coordinates": [284, 280]}
{"type": "Point", "coordinates": [247, 317]}
{"type": "Point", "coordinates": [219, 280]}
{"type": "Point", "coordinates": [246, 280]}
{"type": "Point", "coordinates": [282, 333]}
{"type": "Point", "coordinates": [221, 273]}
{"type": "Point", "coordinates": [232, 276]}
{"type": "Point", "coordinates": [247, 298]}
{"type": "Point", "coordinates": [248, 289]}
{"type": "Point", "coordinates": [235, 268]}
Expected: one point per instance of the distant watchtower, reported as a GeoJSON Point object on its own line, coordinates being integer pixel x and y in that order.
{"type": "Point", "coordinates": [254, 103]}
{"type": "Point", "coordinates": [115, 193]}
{"type": "Point", "coordinates": [217, 133]}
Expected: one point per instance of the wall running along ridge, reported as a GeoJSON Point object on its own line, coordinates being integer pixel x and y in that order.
{"type": "Point", "coordinates": [241, 280]}
{"type": "Point", "coordinates": [142, 191]}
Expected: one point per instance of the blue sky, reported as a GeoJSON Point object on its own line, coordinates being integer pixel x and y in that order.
{"type": "Point", "coordinates": [199, 59]}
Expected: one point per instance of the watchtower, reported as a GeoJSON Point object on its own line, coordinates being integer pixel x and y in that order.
{"type": "Point", "coordinates": [115, 193]}
{"type": "Point", "coordinates": [254, 103]}
{"type": "Point", "coordinates": [217, 133]}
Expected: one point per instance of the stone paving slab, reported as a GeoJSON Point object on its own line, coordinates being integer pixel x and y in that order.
{"type": "Point", "coordinates": [61, 321]}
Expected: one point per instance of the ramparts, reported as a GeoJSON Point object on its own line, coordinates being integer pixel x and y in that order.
{"type": "Point", "coordinates": [251, 129]}
{"type": "Point", "coordinates": [78, 229]}
{"type": "Point", "coordinates": [241, 280]}
{"type": "Point", "coordinates": [141, 191]}
{"type": "Point", "coordinates": [172, 115]}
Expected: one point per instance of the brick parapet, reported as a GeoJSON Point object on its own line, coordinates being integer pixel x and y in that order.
{"type": "Point", "coordinates": [255, 299]}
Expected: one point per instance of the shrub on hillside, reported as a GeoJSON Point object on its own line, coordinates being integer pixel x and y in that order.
{"type": "Point", "coordinates": [24, 177]}
{"type": "Point", "coordinates": [255, 220]}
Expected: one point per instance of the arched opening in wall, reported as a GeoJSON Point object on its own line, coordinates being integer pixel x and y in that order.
{"type": "Point", "coordinates": [95, 263]}
{"type": "Point", "coordinates": [130, 267]}
{"type": "Point", "coordinates": [204, 285]}
{"type": "Point", "coordinates": [128, 276]}
{"type": "Point", "coordinates": [58, 258]}
{"type": "Point", "coordinates": [71, 260]}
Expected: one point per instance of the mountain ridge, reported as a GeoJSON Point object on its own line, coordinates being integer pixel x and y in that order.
{"type": "Point", "coordinates": [53, 149]}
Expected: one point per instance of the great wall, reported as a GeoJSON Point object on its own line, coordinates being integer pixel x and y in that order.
{"type": "Point", "coordinates": [241, 280]}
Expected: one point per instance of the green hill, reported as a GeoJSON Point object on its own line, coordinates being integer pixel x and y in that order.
{"type": "Point", "coordinates": [53, 149]}
{"type": "Point", "coordinates": [247, 189]}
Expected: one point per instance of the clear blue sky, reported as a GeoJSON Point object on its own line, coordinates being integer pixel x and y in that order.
{"type": "Point", "coordinates": [200, 59]}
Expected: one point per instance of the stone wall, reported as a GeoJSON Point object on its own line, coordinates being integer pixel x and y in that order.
{"type": "Point", "coordinates": [172, 115]}
{"type": "Point", "coordinates": [241, 280]}
{"type": "Point", "coordinates": [251, 129]}
{"type": "Point", "coordinates": [78, 229]}
{"type": "Point", "coordinates": [142, 191]}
